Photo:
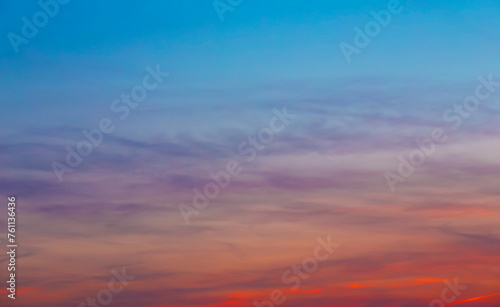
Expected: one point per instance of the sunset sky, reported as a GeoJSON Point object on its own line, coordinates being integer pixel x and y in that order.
{"type": "Point", "coordinates": [339, 167]}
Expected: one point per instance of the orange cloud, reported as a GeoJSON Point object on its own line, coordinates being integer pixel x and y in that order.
{"type": "Point", "coordinates": [474, 299]}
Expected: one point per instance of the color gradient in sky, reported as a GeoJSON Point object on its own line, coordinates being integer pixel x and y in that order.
{"type": "Point", "coordinates": [251, 153]}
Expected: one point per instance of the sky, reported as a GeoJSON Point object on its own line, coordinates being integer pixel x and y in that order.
{"type": "Point", "coordinates": [207, 153]}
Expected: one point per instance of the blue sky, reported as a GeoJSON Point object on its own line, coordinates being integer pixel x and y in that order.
{"type": "Point", "coordinates": [323, 174]}
{"type": "Point", "coordinates": [90, 53]}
